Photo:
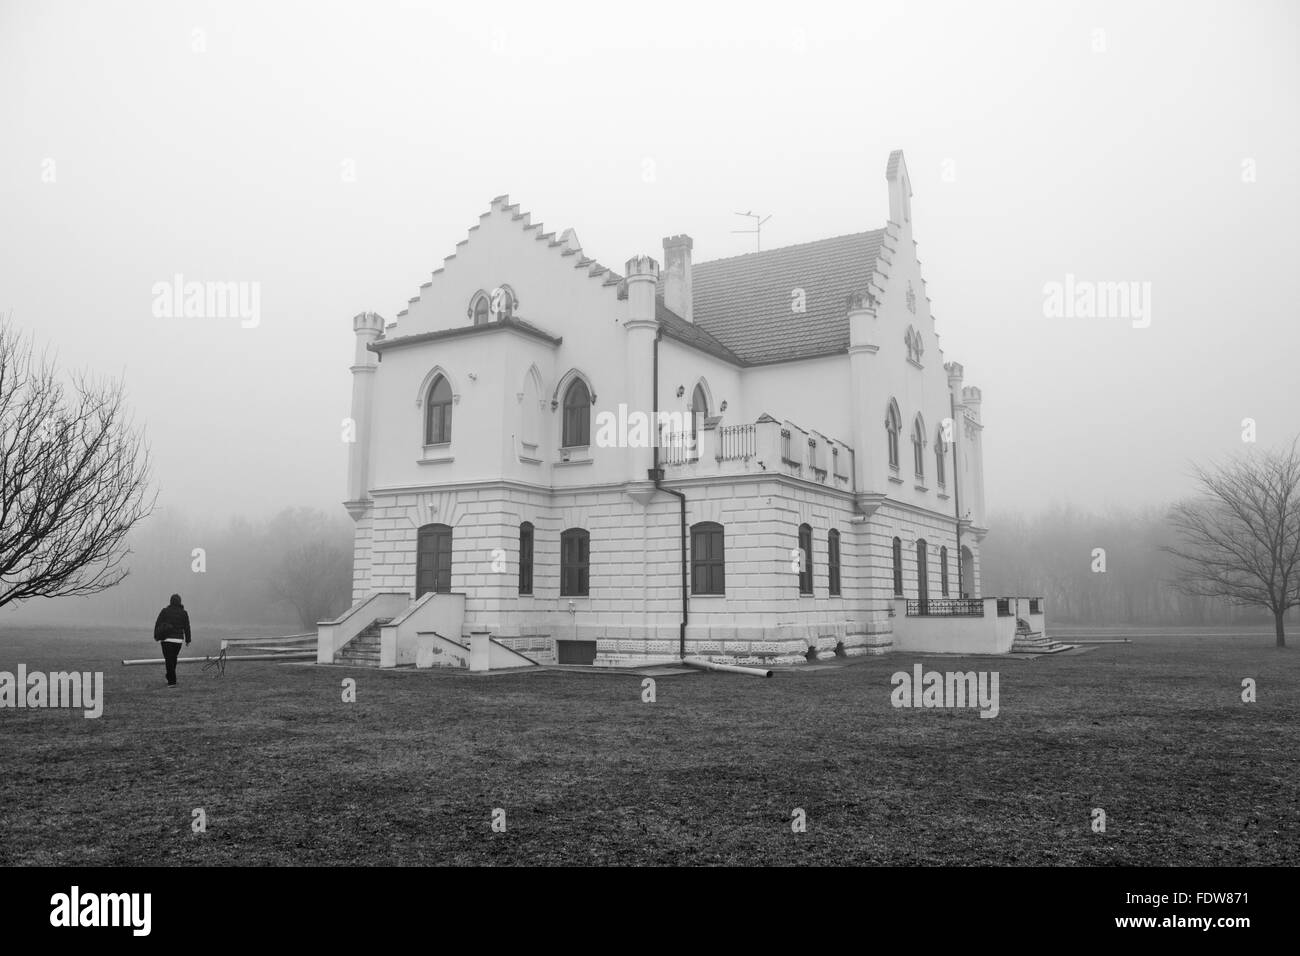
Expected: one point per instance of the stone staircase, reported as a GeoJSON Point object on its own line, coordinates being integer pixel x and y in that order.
{"type": "Point", "coordinates": [363, 650]}
{"type": "Point", "coordinates": [1035, 642]}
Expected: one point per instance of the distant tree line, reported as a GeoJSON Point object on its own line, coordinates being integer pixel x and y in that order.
{"type": "Point", "coordinates": [1053, 554]}
{"type": "Point", "coordinates": [294, 569]}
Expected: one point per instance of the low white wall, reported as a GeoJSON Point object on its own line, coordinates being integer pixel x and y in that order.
{"type": "Point", "coordinates": [434, 650]}
{"type": "Point", "coordinates": [1004, 634]}
{"type": "Point", "coordinates": [989, 634]}
{"type": "Point", "coordinates": [485, 654]}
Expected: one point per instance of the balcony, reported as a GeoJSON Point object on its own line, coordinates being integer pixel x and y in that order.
{"type": "Point", "coordinates": [765, 446]}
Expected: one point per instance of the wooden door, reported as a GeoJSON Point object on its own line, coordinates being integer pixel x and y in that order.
{"type": "Point", "coordinates": [433, 560]}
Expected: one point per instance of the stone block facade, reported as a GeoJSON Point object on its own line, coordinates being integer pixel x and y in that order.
{"type": "Point", "coordinates": [632, 611]}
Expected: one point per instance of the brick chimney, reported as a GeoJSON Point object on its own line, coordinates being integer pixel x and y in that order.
{"type": "Point", "coordinates": [677, 276]}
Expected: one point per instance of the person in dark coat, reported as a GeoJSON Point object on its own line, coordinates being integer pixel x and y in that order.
{"type": "Point", "coordinates": [171, 628]}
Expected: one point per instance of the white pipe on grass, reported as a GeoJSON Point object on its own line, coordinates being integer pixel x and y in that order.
{"type": "Point", "coordinates": [282, 656]}
{"type": "Point", "coordinates": [707, 665]}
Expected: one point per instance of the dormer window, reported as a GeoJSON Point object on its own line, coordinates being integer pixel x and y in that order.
{"type": "Point", "coordinates": [500, 303]}
{"type": "Point", "coordinates": [503, 302]}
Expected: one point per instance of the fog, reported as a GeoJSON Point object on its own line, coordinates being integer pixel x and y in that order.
{"type": "Point", "coordinates": [335, 153]}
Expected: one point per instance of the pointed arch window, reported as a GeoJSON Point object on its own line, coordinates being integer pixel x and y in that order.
{"type": "Point", "coordinates": [480, 309]}
{"type": "Point", "coordinates": [437, 412]}
{"type": "Point", "coordinates": [918, 446]}
{"type": "Point", "coordinates": [503, 302]}
{"type": "Point", "coordinates": [577, 415]}
{"type": "Point", "coordinates": [940, 465]}
{"type": "Point", "coordinates": [893, 425]}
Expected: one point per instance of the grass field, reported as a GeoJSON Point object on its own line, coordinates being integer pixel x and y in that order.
{"type": "Point", "coordinates": [1153, 732]}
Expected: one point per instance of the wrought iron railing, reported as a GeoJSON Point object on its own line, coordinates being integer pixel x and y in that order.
{"type": "Point", "coordinates": [945, 607]}
{"type": "Point", "coordinates": [735, 442]}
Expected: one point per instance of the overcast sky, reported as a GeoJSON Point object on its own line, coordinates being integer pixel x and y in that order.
{"type": "Point", "coordinates": [217, 140]}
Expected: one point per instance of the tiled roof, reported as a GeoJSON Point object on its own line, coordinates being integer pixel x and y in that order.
{"type": "Point", "coordinates": [688, 333]}
{"type": "Point", "coordinates": [745, 301]}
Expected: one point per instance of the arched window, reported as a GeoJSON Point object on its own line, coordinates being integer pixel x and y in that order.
{"type": "Point", "coordinates": [943, 570]}
{"type": "Point", "coordinates": [577, 415]}
{"type": "Point", "coordinates": [480, 309]}
{"type": "Point", "coordinates": [503, 302]}
{"type": "Point", "coordinates": [699, 409]}
{"type": "Point", "coordinates": [708, 562]}
{"type": "Point", "coordinates": [918, 446]}
{"type": "Point", "coordinates": [940, 468]}
{"type": "Point", "coordinates": [893, 425]}
{"type": "Point", "coordinates": [575, 562]}
{"type": "Point", "coordinates": [833, 560]}
{"type": "Point", "coordinates": [805, 560]}
{"type": "Point", "coordinates": [526, 558]}
{"type": "Point", "coordinates": [437, 412]}
{"type": "Point", "coordinates": [898, 567]}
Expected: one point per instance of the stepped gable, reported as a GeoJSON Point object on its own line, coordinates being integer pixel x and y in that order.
{"type": "Point", "coordinates": [565, 248]}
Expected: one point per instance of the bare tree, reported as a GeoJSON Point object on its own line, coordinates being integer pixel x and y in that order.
{"type": "Point", "coordinates": [73, 478]}
{"type": "Point", "coordinates": [1241, 536]}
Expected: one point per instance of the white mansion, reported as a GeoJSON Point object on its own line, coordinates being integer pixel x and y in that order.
{"type": "Point", "coordinates": [503, 479]}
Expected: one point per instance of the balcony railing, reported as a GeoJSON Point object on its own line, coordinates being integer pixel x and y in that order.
{"type": "Point", "coordinates": [735, 442]}
{"type": "Point", "coordinates": [752, 448]}
{"type": "Point", "coordinates": [946, 607]}
{"type": "Point", "coordinates": [677, 448]}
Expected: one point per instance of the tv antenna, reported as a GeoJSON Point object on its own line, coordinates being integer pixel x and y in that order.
{"type": "Point", "coordinates": [757, 231]}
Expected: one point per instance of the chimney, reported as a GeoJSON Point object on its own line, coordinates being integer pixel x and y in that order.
{"type": "Point", "coordinates": [677, 276]}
